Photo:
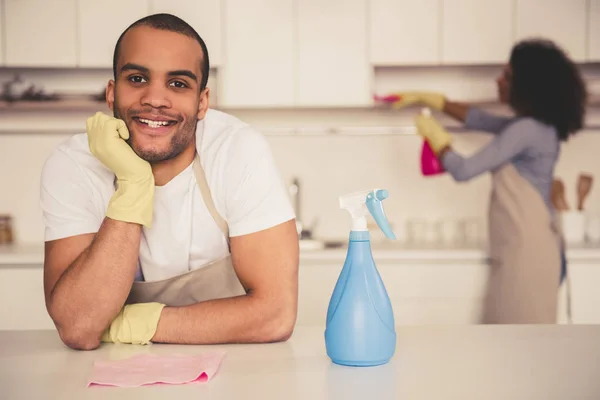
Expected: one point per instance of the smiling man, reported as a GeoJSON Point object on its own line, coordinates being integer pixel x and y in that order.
{"type": "Point", "coordinates": [168, 221]}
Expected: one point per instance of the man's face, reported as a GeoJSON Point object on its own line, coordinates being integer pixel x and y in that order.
{"type": "Point", "coordinates": [157, 91]}
{"type": "Point", "coordinates": [504, 82]}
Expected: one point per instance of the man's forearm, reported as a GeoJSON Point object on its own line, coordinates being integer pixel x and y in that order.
{"type": "Point", "coordinates": [95, 286]}
{"type": "Point", "coordinates": [243, 319]}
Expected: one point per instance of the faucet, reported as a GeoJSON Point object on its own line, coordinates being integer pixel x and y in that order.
{"type": "Point", "coordinates": [294, 190]}
{"type": "Point", "coordinates": [304, 232]}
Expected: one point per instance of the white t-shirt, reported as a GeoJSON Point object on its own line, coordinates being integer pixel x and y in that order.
{"type": "Point", "coordinates": [244, 182]}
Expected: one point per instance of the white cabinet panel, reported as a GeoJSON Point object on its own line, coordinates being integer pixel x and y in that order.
{"type": "Point", "coordinates": [205, 16]}
{"type": "Point", "coordinates": [39, 34]}
{"type": "Point", "coordinates": [22, 304]}
{"type": "Point", "coordinates": [97, 38]}
{"type": "Point", "coordinates": [332, 60]}
{"type": "Point", "coordinates": [593, 50]}
{"type": "Point", "coordinates": [563, 21]}
{"type": "Point", "coordinates": [421, 293]}
{"type": "Point", "coordinates": [477, 31]}
{"type": "Point", "coordinates": [404, 32]}
{"type": "Point", "coordinates": [259, 54]}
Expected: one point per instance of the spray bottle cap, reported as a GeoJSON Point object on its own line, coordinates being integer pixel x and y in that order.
{"type": "Point", "coordinates": [355, 203]}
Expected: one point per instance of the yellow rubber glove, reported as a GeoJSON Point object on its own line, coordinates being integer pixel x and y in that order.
{"type": "Point", "coordinates": [430, 99]}
{"type": "Point", "coordinates": [430, 129]}
{"type": "Point", "coordinates": [134, 197]}
{"type": "Point", "coordinates": [135, 324]}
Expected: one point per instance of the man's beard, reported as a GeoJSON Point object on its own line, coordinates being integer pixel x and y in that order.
{"type": "Point", "coordinates": [179, 141]}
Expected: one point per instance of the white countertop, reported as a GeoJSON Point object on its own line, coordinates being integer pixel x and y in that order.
{"type": "Point", "coordinates": [32, 254]}
{"type": "Point", "coordinates": [444, 362]}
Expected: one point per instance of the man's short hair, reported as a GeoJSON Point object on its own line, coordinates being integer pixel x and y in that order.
{"type": "Point", "coordinates": [168, 22]}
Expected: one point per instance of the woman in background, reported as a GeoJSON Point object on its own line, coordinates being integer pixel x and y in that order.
{"type": "Point", "coordinates": [548, 96]}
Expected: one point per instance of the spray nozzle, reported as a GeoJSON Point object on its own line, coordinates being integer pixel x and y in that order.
{"type": "Point", "coordinates": [355, 203]}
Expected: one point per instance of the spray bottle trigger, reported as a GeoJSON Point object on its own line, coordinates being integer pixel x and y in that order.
{"type": "Point", "coordinates": [375, 206]}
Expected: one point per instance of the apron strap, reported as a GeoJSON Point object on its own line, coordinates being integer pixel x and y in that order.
{"type": "Point", "coordinates": [206, 196]}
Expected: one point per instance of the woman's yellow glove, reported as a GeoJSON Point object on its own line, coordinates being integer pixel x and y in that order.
{"type": "Point", "coordinates": [430, 99]}
{"type": "Point", "coordinates": [430, 129]}
{"type": "Point", "coordinates": [135, 324]}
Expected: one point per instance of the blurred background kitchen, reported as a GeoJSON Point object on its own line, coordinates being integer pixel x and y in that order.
{"type": "Point", "coordinates": [304, 73]}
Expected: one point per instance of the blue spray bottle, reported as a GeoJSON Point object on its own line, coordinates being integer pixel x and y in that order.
{"type": "Point", "coordinates": [360, 328]}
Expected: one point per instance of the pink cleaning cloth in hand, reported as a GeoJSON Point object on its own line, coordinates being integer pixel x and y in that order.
{"type": "Point", "coordinates": [148, 369]}
{"type": "Point", "coordinates": [391, 98]}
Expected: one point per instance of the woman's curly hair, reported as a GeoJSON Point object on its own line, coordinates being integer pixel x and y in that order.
{"type": "Point", "coordinates": [547, 85]}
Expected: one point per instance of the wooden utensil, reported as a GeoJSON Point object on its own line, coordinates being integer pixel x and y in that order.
{"type": "Point", "coordinates": [559, 202]}
{"type": "Point", "coordinates": [584, 186]}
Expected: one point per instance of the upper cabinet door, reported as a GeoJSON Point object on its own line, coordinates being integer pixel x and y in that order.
{"type": "Point", "coordinates": [205, 16]}
{"type": "Point", "coordinates": [39, 34]}
{"type": "Point", "coordinates": [258, 68]}
{"type": "Point", "coordinates": [476, 31]}
{"type": "Point", "coordinates": [563, 21]}
{"type": "Point", "coordinates": [404, 32]}
{"type": "Point", "coordinates": [97, 38]}
{"type": "Point", "coordinates": [332, 61]}
{"type": "Point", "coordinates": [593, 51]}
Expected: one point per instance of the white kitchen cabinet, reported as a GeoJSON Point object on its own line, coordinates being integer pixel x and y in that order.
{"type": "Point", "coordinates": [97, 38]}
{"type": "Point", "coordinates": [404, 32]}
{"type": "Point", "coordinates": [22, 304]}
{"type": "Point", "coordinates": [259, 54]}
{"type": "Point", "coordinates": [476, 31]}
{"type": "Point", "coordinates": [563, 21]}
{"type": "Point", "coordinates": [39, 34]}
{"type": "Point", "coordinates": [205, 16]}
{"type": "Point", "coordinates": [593, 50]}
{"type": "Point", "coordinates": [332, 62]}
{"type": "Point", "coordinates": [421, 293]}
{"type": "Point", "coordinates": [425, 292]}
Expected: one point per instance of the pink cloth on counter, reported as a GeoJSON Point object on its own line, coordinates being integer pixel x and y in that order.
{"type": "Point", "coordinates": [148, 369]}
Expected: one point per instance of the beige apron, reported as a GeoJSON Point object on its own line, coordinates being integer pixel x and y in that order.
{"type": "Point", "coordinates": [524, 254]}
{"type": "Point", "coordinates": [215, 280]}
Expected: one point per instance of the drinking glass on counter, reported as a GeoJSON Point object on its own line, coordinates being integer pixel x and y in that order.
{"type": "Point", "coordinates": [472, 230]}
{"type": "Point", "coordinates": [416, 231]}
{"type": "Point", "coordinates": [450, 232]}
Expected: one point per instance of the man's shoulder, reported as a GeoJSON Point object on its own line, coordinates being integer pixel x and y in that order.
{"type": "Point", "coordinates": [74, 152]}
{"type": "Point", "coordinates": [75, 144]}
{"type": "Point", "coordinates": [225, 135]}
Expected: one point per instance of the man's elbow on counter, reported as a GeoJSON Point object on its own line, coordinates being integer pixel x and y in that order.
{"type": "Point", "coordinates": [78, 338]}
{"type": "Point", "coordinates": [76, 334]}
{"type": "Point", "coordinates": [281, 325]}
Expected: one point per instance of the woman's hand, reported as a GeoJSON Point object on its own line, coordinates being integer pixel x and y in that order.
{"type": "Point", "coordinates": [431, 130]}
{"type": "Point", "coordinates": [403, 99]}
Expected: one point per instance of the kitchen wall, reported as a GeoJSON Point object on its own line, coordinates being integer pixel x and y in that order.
{"type": "Point", "coordinates": [302, 73]}
{"type": "Point", "coordinates": [327, 165]}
